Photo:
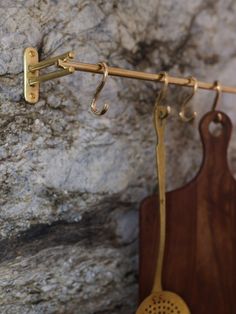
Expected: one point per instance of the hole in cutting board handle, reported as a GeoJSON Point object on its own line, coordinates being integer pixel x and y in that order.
{"type": "Point", "coordinates": [215, 128]}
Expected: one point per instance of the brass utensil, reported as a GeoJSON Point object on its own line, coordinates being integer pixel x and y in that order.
{"type": "Point", "coordinates": [159, 301]}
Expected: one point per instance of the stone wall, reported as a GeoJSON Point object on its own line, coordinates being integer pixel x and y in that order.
{"type": "Point", "coordinates": [71, 183]}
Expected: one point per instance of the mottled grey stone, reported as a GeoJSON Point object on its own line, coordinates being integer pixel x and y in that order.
{"type": "Point", "coordinates": [71, 183]}
{"type": "Point", "coordinates": [76, 281]}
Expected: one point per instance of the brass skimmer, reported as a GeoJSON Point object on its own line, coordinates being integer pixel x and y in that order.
{"type": "Point", "coordinates": [159, 301]}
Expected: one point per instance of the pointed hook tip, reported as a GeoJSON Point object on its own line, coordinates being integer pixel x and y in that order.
{"type": "Point", "coordinates": [184, 118]}
{"type": "Point", "coordinates": [100, 112]}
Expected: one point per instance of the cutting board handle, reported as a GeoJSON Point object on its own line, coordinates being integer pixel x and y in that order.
{"type": "Point", "coordinates": [215, 146]}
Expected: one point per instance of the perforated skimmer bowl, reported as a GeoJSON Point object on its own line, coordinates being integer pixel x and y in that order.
{"type": "Point", "coordinates": [163, 302]}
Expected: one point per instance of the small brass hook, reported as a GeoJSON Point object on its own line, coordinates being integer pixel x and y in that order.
{"type": "Point", "coordinates": [93, 105]}
{"type": "Point", "coordinates": [218, 95]}
{"type": "Point", "coordinates": [217, 100]}
{"type": "Point", "coordinates": [164, 113]}
{"type": "Point", "coordinates": [182, 113]}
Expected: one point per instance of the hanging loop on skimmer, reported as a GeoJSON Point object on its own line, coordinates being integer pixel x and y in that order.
{"type": "Point", "coordinates": [165, 111]}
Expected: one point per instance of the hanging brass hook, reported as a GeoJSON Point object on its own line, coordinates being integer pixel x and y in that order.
{"type": "Point", "coordinates": [217, 100]}
{"type": "Point", "coordinates": [182, 113]}
{"type": "Point", "coordinates": [218, 95]}
{"type": "Point", "coordinates": [165, 111]}
{"type": "Point", "coordinates": [93, 105]}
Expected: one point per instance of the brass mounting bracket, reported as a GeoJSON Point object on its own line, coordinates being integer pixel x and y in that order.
{"type": "Point", "coordinates": [31, 92]}
{"type": "Point", "coordinates": [32, 66]}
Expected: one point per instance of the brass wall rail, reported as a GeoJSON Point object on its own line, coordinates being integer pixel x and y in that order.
{"type": "Point", "coordinates": [86, 67]}
{"type": "Point", "coordinates": [32, 79]}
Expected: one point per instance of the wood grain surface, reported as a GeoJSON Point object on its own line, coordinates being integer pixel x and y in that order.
{"type": "Point", "coordinates": [200, 256]}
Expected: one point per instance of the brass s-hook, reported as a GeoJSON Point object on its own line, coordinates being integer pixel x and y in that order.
{"type": "Point", "coordinates": [182, 113]}
{"type": "Point", "coordinates": [93, 105]}
{"type": "Point", "coordinates": [218, 95]}
{"type": "Point", "coordinates": [217, 100]}
{"type": "Point", "coordinates": [165, 111]}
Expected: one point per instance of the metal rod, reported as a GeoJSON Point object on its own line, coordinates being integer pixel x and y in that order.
{"type": "Point", "coordinates": [94, 68]}
{"type": "Point", "coordinates": [50, 76]}
{"type": "Point", "coordinates": [46, 63]}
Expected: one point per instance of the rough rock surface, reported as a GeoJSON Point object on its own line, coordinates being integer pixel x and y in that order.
{"type": "Point", "coordinates": [71, 183]}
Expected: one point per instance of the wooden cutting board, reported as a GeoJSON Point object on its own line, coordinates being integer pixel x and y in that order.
{"type": "Point", "coordinates": [200, 254]}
